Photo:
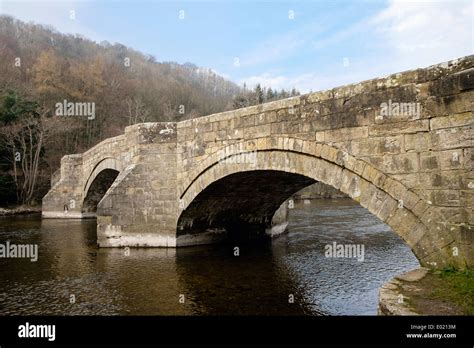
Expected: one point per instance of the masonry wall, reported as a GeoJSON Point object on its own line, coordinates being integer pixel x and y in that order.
{"type": "Point", "coordinates": [141, 207]}
{"type": "Point", "coordinates": [430, 152]}
{"type": "Point", "coordinates": [65, 198]}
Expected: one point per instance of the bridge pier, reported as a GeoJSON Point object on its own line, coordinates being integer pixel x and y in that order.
{"type": "Point", "coordinates": [197, 230]}
{"type": "Point", "coordinates": [279, 220]}
{"type": "Point", "coordinates": [64, 199]}
{"type": "Point", "coordinates": [141, 207]}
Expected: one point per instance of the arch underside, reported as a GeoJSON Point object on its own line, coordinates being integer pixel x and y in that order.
{"type": "Point", "coordinates": [105, 163]}
{"type": "Point", "coordinates": [97, 189]}
{"type": "Point", "coordinates": [100, 179]}
{"type": "Point", "coordinates": [219, 189]}
{"type": "Point", "coordinates": [243, 202]}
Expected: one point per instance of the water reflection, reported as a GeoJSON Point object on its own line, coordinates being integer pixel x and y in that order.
{"type": "Point", "coordinates": [342, 286]}
{"type": "Point", "coordinates": [260, 281]}
{"type": "Point", "coordinates": [219, 282]}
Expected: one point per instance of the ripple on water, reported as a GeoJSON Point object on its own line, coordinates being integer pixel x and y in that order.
{"type": "Point", "coordinates": [212, 279]}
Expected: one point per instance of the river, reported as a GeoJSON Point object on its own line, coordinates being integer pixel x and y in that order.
{"type": "Point", "coordinates": [289, 275]}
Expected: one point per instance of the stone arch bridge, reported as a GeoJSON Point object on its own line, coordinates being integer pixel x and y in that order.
{"type": "Point", "coordinates": [401, 146]}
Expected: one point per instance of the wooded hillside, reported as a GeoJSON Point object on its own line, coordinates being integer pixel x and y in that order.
{"type": "Point", "coordinates": [41, 67]}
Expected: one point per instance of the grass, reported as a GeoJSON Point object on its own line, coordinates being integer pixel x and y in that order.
{"type": "Point", "coordinates": [446, 292]}
{"type": "Point", "coordinates": [456, 286]}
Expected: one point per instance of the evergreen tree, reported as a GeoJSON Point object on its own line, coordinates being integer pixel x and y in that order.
{"type": "Point", "coordinates": [270, 94]}
{"type": "Point", "coordinates": [259, 94]}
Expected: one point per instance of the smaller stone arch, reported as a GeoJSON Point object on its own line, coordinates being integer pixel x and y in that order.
{"type": "Point", "coordinates": [99, 181]}
{"type": "Point", "coordinates": [106, 163]}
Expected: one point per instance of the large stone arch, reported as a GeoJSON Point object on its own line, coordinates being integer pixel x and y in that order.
{"type": "Point", "coordinates": [405, 212]}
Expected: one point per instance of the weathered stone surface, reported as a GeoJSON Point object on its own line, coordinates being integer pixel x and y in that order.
{"type": "Point", "coordinates": [445, 198]}
{"type": "Point", "coordinates": [452, 138]}
{"type": "Point", "coordinates": [377, 146]}
{"type": "Point", "coordinates": [345, 134]}
{"type": "Point", "coordinates": [449, 179]}
{"type": "Point", "coordinates": [395, 164]}
{"type": "Point", "coordinates": [412, 170]}
{"type": "Point", "coordinates": [392, 300]}
{"type": "Point", "coordinates": [399, 128]}
{"type": "Point", "coordinates": [454, 104]}
{"type": "Point", "coordinates": [417, 142]}
{"type": "Point", "coordinates": [468, 162]}
{"type": "Point", "coordinates": [411, 180]}
{"type": "Point", "coordinates": [457, 120]}
{"type": "Point", "coordinates": [441, 160]}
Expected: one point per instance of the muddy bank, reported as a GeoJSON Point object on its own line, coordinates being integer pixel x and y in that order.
{"type": "Point", "coordinates": [427, 292]}
{"type": "Point", "coordinates": [21, 210]}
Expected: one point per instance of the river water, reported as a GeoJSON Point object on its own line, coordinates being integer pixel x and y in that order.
{"type": "Point", "coordinates": [289, 275]}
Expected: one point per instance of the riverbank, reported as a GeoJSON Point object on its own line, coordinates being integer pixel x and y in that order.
{"type": "Point", "coordinates": [21, 210]}
{"type": "Point", "coordinates": [429, 292]}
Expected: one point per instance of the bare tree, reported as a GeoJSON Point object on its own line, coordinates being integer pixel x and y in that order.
{"type": "Point", "coordinates": [25, 141]}
{"type": "Point", "coordinates": [136, 110]}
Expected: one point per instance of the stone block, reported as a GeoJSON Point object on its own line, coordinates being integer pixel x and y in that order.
{"type": "Point", "coordinates": [448, 105]}
{"type": "Point", "coordinates": [410, 180]}
{"type": "Point", "coordinates": [417, 142]}
{"type": "Point", "coordinates": [377, 146]}
{"type": "Point", "coordinates": [396, 164]}
{"type": "Point", "coordinates": [450, 179]}
{"type": "Point", "coordinates": [441, 160]}
{"type": "Point", "coordinates": [399, 128]}
{"type": "Point", "coordinates": [446, 198]}
{"type": "Point", "coordinates": [452, 138]}
{"type": "Point", "coordinates": [456, 120]}
{"type": "Point", "coordinates": [344, 134]}
{"type": "Point", "coordinates": [468, 161]}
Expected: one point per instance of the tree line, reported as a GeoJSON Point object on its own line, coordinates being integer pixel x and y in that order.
{"type": "Point", "coordinates": [259, 95]}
